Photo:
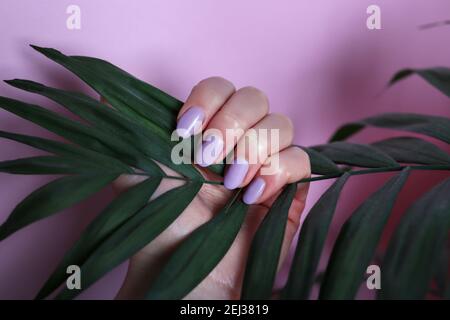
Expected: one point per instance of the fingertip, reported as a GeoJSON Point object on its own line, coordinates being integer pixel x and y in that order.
{"type": "Point", "coordinates": [254, 191]}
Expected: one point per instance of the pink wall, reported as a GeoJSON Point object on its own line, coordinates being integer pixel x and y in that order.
{"type": "Point", "coordinates": [316, 60]}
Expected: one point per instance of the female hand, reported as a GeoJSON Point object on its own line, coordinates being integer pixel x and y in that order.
{"type": "Point", "coordinates": [215, 106]}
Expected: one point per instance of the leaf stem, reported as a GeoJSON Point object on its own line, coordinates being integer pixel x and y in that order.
{"type": "Point", "coordinates": [376, 170]}
{"type": "Point", "coordinates": [325, 177]}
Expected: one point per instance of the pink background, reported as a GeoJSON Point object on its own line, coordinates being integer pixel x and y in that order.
{"type": "Point", "coordinates": [316, 60]}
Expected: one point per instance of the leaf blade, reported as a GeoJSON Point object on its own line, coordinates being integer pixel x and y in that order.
{"type": "Point", "coordinates": [417, 243]}
{"type": "Point", "coordinates": [413, 150]}
{"type": "Point", "coordinates": [438, 77]}
{"type": "Point", "coordinates": [320, 164]}
{"type": "Point", "coordinates": [311, 241]}
{"type": "Point", "coordinates": [432, 126]}
{"type": "Point", "coordinates": [262, 261]}
{"type": "Point", "coordinates": [357, 241]}
{"type": "Point", "coordinates": [48, 165]}
{"type": "Point", "coordinates": [356, 154]}
{"type": "Point", "coordinates": [53, 197]}
{"type": "Point", "coordinates": [112, 217]}
{"type": "Point", "coordinates": [199, 254]}
{"type": "Point", "coordinates": [133, 235]}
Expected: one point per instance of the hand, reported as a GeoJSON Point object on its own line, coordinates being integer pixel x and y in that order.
{"type": "Point", "coordinates": [215, 104]}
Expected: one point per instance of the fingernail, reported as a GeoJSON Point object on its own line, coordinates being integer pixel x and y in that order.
{"type": "Point", "coordinates": [254, 191]}
{"type": "Point", "coordinates": [235, 174]}
{"type": "Point", "coordinates": [190, 121]}
{"type": "Point", "coordinates": [210, 150]}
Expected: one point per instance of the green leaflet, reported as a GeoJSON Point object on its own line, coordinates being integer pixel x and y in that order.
{"type": "Point", "coordinates": [311, 241]}
{"type": "Point", "coordinates": [358, 240]}
{"type": "Point", "coordinates": [438, 77]}
{"type": "Point", "coordinates": [48, 165]}
{"type": "Point", "coordinates": [264, 255]}
{"type": "Point", "coordinates": [134, 234]}
{"type": "Point", "coordinates": [53, 197]}
{"type": "Point", "coordinates": [119, 92]}
{"type": "Point", "coordinates": [119, 136]}
{"type": "Point", "coordinates": [433, 126]}
{"type": "Point", "coordinates": [144, 89]}
{"type": "Point", "coordinates": [197, 256]}
{"type": "Point", "coordinates": [413, 150]}
{"type": "Point", "coordinates": [70, 151]}
{"type": "Point", "coordinates": [413, 253]}
{"type": "Point", "coordinates": [356, 155]}
{"type": "Point", "coordinates": [89, 137]}
{"type": "Point", "coordinates": [320, 164]}
{"type": "Point", "coordinates": [104, 225]}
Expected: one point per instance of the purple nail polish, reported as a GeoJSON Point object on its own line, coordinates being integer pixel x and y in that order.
{"type": "Point", "coordinates": [254, 191]}
{"type": "Point", "coordinates": [210, 150]}
{"type": "Point", "coordinates": [190, 122]}
{"type": "Point", "coordinates": [235, 174]}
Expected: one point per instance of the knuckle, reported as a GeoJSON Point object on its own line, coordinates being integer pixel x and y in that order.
{"type": "Point", "coordinates": [284, 123]}
{"type": "Point", "coordinates": [216, 82]}
{"type": "Point", "coordinates": [257, 94]}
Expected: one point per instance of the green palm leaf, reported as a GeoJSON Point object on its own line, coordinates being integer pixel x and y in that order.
{"type": "Point", "coordinates": [111, 218]}
{"type": "Point", "coordinates": [320, 164]}
{"type": "Point", "coordinates": [413, 150]}
{"type": "Point", "coordinates": [357, 241]}
{"type": "Point", "coordinates": [265, 250]}
{"type": "Point", "coordinates": [356, 154]}
{"type": "Point", "coordinates": [438, 77]}
{"type": "Point", "coordinates": [70, 151]}
{"type": "Point", "coordinates": [122, 94]}
{"type": "Point", "coordinates": [432, 126]}
{"type": "Point", "coordinates": [199, 253]}
{"type": "Point", "coordinates": [311, 241]}
{"type": "Point", "coordinates": [48, 165]}
{"type": "Point", "coordinates": [53, 197]}
{"type": "Point", "coordinates": [134, 234]}
{"type": "Point", "coordinates": [413, 254]}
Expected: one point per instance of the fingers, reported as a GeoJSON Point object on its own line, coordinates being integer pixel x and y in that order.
{"type": "Point", "coordinates": [272, 134]}
{"type": "Point", "coordinates": [239, 121]}
{"type": "Point", "coordinates": [288, 166]}
{"type": "Point", "coordinates": [243, 110]}
{"type": "Point", "coordinates": [202, 104]}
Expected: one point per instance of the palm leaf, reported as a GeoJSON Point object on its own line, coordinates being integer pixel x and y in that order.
{"type": "Point", "coordinates": [320, 164]}
{"type": "Point", "coordinates": [197, 256]}
{"type": "Point", "coordinates": [432, 126]}
{"type": "Point", "coordinates": [111, 218]}
{"type": "Point", "coordinates": [264, 255]}
{"type": "Point", "coordinates": [438, 77]}
{"type": "Point", "coordinates": [413, 150]}
{"type": "Point", "coordinates": [134, 234]}
{"type": "Point", "coordinates": [357, 241]}
{"type": "Point", "coordinates": [412, 256]}
{"type": "Point", "coordinates": [122, 94]}
{"type": "Point", "coordinates": [311, 241]}
{"type": "Point", "coordinates": [127, 80]}
{"type": "Point", "coordinates": [76, 153]}
{"type": "Point", "coordinates": [356, 154]}
{"type": "Point", "coordinates": [120, 132]}
{"type": "Point", "coordinates": [48, 165]}
{"type": "Point", "coordinates": [53, 197]}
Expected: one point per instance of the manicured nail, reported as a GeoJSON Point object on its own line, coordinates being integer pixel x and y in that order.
{"type": "Point", "coordinates": [235, 174]}
{"type": "Point", "coordinates": [210, 150]}
{"type": "Point", "coordinates": [254, 191]}
{"type": "Point", "coordinates": [190, 121]}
